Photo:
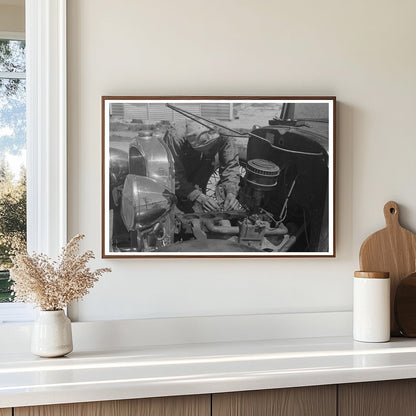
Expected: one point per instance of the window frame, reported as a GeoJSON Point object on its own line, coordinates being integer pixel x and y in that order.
{"type": "Point", "coordinates": [46, 113]}
{"type": "Point", "coordinates": [12, 35]}
{"type": "Point", "coordinates": [46, 125]}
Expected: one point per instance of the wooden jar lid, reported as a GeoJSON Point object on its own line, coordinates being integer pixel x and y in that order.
{"type": "Point", "coordinates": [372, 275]}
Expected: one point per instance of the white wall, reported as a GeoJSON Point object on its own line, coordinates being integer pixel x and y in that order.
{"type": "Point", "coordinates": [361, 51]}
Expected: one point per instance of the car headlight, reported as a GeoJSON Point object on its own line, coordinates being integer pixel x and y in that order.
{"type": "Point", "coordinates": [144, 202]}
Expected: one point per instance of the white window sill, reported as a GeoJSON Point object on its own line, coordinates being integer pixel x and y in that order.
{"type": "Point", "coordinates": [16, 313]}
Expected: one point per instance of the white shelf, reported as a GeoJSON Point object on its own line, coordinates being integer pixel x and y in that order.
{"type": "Point", "coordinates": [148, 371]}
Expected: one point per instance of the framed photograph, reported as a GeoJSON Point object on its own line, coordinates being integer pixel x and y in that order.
{"type": "Point", "coordinates": [218, 177]}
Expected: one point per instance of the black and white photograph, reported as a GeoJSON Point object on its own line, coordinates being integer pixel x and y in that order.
{"type": "Point", "coordinates": [218, 176]}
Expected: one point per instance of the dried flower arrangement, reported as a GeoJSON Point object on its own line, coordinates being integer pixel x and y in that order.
{"type": "Point", "coordinates": [52, 285]}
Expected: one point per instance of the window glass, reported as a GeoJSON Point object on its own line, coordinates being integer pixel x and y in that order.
{"type": "Point", "coordinates": [12, 55]}
{"type": "Point", "coordinates": [12, 156]}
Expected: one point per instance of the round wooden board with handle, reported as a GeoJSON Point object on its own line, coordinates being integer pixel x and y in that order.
{"type": "Point", "coordinates": [393, 250]}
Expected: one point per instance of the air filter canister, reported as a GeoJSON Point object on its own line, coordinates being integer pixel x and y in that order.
{"type": "Point", "coordinates": [262, 173]}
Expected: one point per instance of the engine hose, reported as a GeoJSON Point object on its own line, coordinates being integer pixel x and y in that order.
{"type": "Point", "coordinates": [235, 230]}
{"type": "Point", "coordinates": [220, 229]}
{"type": "Point", "coordinates": [281, 230]}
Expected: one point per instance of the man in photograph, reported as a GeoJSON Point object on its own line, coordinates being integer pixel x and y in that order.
{"type": "Point", "coordinates": [194, 148]}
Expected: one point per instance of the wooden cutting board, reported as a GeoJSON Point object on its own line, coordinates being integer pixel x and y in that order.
{"type": "Point", "coordinates": [393, 250]}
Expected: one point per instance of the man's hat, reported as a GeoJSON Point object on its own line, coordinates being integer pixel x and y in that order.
{"type": "Point", "coordinates": [200, 137]}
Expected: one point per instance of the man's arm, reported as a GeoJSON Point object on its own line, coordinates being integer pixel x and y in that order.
{"type": "Point", "coordinates": [183, 188]}
{"type": "Point", "coordinates": [229, 165]}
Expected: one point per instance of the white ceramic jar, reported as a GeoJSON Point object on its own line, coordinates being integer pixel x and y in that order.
{"type": "Point", "coordinates": [371, 308]}
{"type": "Point", "coordinates": [52, 334]}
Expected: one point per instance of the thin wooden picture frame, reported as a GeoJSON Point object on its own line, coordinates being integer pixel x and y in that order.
{"type": "Point", "coordinates": [218, 176]}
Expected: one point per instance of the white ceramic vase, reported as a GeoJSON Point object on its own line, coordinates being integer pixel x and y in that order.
{"type": "Point", "coordinates": [52, 334]}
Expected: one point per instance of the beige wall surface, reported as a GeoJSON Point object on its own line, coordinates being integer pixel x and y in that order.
{"type": "Point", "coordinates": [360, 51]}
{"type": "Point", "coordinates": [12, 18]}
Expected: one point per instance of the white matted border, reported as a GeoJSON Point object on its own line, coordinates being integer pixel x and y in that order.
{"type": "Point", "coordinates": [106, 101]}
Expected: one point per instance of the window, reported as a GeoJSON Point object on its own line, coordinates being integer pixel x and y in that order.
{"type": "Point", "coordinates": [46, 135]}
{"type": "Point", "coordinates": [12, 155]}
